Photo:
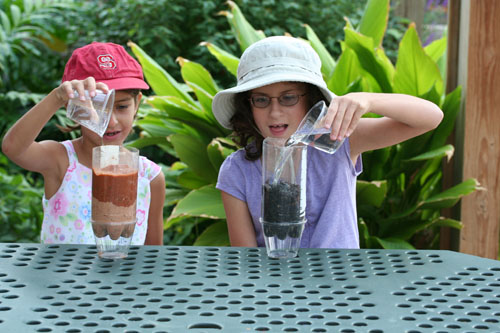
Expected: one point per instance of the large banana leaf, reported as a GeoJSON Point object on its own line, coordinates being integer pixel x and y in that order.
{"type": "Point", "coordinates": [371, 193]}
{"type": "Point", "coordinates": [445, 151]}
{"type": "Point", "coordinates": [193, 153]}
{"type": "Point", "coordinates": [164, 126]}
{"type": "Point", "coordinates": [160, 81]}
{"type": "Point", "coordinates": [177, 108]}
{"type": "Point", "coordinates": [327, 62]}
{"type": "Point", "coordinates": [225, 58]}
{"type": "Point", "coordinates": [436, 49]}
{"type": "Point", "coordinates": [405, 229]}
{"type": "Point", "coordinates": [203, 202]}
{"type": "Point", "coordinates": [193, 72]}
{"type": "Point", "coordinates": [374, 20]}
{"type": "Point", "coordinates": [179, 117]}
{"type": "Point", "coordinates": [243, 31]}
{"type": "Point", "coordinates": [346, 72]}
{"type": "Point", "coordinates": [215, 235]}
{"type": "Point", "coordinates": [218, 151]}
{"type": "Point", "coordinates": [365, 51]}
{"type": "Point", "coordinates": [450, 197]}
{"type": "Point", "coordinates": [416, 72]}
{"type": "Point", "coordinates": [191, 180]}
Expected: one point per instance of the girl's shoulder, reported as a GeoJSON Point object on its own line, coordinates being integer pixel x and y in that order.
{"type": "Point", "coordinates": [148, 169]}
{"type": "Point", "coordinates": [237, 159]}
{"type": "Point", "coordinates": [237, 155]}
{"type": "Point", "coordinates": [236, 165]}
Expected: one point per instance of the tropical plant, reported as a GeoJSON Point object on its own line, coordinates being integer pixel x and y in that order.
{"type": "Point", "coordinates": [399, 193]}
{"type": "Point", "coordinates": [27, 29]}
{"type": "Point", "coordinates": [20, 209]}
{"type": "Point", "coordinates": [31, 39]}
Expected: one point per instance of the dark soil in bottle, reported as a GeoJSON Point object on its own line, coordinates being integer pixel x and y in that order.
{"type": "Point", "coordinates": [281, 204]}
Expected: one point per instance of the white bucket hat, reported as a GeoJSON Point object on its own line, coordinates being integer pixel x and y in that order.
{"type": "Point", "coordinates": [271, 60]}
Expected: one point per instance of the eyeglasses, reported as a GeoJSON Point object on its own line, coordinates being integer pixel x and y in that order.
{"type": "Point", "coordinates": [288, 99]}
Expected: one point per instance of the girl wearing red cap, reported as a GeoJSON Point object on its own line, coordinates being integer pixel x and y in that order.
{"type": "Point", "coordinates": [66, 166]}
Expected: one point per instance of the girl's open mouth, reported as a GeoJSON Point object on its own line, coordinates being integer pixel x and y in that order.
{"type": "Point", "coordinates": [277, 130]}
{"type": "Point", "coordinates": [110, 135]}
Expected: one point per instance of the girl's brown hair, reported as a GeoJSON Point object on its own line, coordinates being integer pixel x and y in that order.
{"type": "Point", "coordinates": [246, 133]}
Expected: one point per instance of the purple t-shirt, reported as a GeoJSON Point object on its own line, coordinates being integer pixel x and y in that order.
{"type": "Point", "coordinates": [330, 195]}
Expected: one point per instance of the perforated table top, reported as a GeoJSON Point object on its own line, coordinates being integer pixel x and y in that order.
{"type": "Point", "coordinates": [66, 288]}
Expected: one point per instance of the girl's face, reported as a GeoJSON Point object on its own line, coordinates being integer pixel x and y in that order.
{"type": "Point", "coordinates": [277, 120]}
{"type": "Point", "coordinates": [121, 121]}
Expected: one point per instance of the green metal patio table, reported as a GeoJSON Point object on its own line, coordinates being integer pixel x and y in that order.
{"type": "Point", "coordinates": [67, 288]}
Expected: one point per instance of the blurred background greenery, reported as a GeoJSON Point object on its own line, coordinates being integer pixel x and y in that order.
{"type": "Point", "coordinates": [37, 38]}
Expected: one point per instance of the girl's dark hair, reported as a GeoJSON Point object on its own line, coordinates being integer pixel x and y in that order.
{"type": "Point", "coordinates": [246, 133]}
{"type": "Point", "coordinates": [70, 128]}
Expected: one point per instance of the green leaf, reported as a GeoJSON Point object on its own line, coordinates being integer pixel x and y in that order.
{"type": "Point", "coordinates": [205, 100]}
{"type": "Point", "coordinates": [160, 81]}
{"type": "Point", "coordinates": [225, 58]}
{"type": "Point", "coordinates": [162, 126]}
{"type": "Point", "coordinates": [393, 243]}
{"type": "Point", "coordinates": [193, 72]}
{"type": "Point", "coordinates": [446, 151]}
{"type": "Point", "coordinates": [217, 153]}
{"type": "Point", "coordinates": [450, 223]}
{"type": "Point", "coordinates": [450, 197]}
{"type": "Point", "coordinates": [416, 72]}
{"type": "Point", "coordinates": [385, 62]}
{"type": "Point", "coordinates": [200, 120]}
{"type": "Point", "coordinates": [214, 235]}
{"type": "Point", "coordinates": [371, 193]}
{"type": "Point", "coordinates": [4, 20]}
{"type": "Point", "coordinates": [173, 195]}
{"type": "Point", "coordinates": [243, 31]}
{"type": "Point", "coordinates": [451, 108]}
{"type": "Point", "coordinates": [347, 71]}
{"type": "Point", "coordinates": [364, 235]}
{"type": "Point", "coordinates": [436, 49]}
{"type": "Point", "coordinates": [191, 180]}
{"type": "Point", "coordinates": [374, 20]}
{"type": "Point", "coordinates": [147, 141]}
{"type": "Point", "coordinates": [193, 152]}
{"type": "Point", "coordinates": [433, 94]}
{"type": "Point", "coordinates": [204, 202]}
{"type": "Point", "coordinates": [15, 14]}
{"type": "Point", "coordinates": [327, 62]}
{"type": "Point", "coordinates": [365, 51]}
{"type": "Point", "coordinates": [177, 108]}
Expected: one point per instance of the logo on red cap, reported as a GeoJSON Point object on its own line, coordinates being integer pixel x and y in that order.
{"type": "Point", "coordinates": [106, 61]}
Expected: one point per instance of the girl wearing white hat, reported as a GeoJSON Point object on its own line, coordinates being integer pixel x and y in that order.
{"type": "Point", "coordinates": [279, 79]}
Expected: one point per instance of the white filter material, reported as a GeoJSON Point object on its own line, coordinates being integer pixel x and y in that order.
{"type": "Point", "coordinates": [109, 155]}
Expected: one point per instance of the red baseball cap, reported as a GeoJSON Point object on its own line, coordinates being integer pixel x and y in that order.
{"type": "Point", "coordinates": [105, 62]}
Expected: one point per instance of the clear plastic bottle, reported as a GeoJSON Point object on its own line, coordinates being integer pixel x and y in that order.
{"type": "Point", "coordinates": [312, 132]}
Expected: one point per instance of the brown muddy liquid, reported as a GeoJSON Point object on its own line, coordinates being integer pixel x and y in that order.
{"type": "Point", "coordinates": [116, 184]}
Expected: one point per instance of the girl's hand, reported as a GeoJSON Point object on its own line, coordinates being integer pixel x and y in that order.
{"type": "Point", "coordinates": [344, 114]}
{"type": "Point", "coordinates": [66, 90]}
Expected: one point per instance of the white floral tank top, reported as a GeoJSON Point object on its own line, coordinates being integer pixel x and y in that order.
{"type": "Point", "coordinates": [67, 213]}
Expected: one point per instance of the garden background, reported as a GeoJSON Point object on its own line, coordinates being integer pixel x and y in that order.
{"type": "Point", "coordinates": [189, 50]}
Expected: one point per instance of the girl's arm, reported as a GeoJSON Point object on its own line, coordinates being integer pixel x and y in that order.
{"type": "Point", "coordinates": [154, 235]}
{"type": "Point", "coordinates": [239, 221]}
{"type": "Point", "coordinates": [404, 117]}
{"type": "Point", "coordinates": [19, 142]}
